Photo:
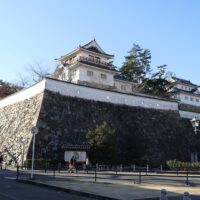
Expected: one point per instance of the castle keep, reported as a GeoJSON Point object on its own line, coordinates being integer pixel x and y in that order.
{"type": "Point", "coordinates": [84, 91]}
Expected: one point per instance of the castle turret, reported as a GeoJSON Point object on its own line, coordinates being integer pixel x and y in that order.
{"type": "Point", "coordinates": [88, 65]}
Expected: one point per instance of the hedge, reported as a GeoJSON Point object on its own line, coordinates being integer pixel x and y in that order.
{"type": "Point", "coordinates": [42, 163]}
{"type": "Point", "coordinates": [179, 165]}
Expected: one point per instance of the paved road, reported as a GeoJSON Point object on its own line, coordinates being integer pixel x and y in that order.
{"type": "Point", "coordinates": [12, 190]}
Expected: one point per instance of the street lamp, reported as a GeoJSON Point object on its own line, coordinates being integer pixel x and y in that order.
{"type": "Point", "coordinates": [22, 142]}
{"type": "Point", "coordinates": [34, 131]}
{"type": "Point", "coordinates": [195, 124]}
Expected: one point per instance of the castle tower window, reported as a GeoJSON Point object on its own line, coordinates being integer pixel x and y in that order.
{"type": "Point", "coordinates": [103, 76]}
{"type": "Point", "coordinates": [123, 87]}
{"type": "Point", "coordinates": [89, 73]}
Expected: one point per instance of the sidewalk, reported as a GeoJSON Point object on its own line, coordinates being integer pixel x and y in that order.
{"type": "Point", "coordinates": [116, 191]}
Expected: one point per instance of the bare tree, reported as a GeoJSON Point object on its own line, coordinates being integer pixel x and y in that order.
{"type": "Point", "coordinates": [34, 73]}
{"type": "Point", "coordinates": [37, 71]}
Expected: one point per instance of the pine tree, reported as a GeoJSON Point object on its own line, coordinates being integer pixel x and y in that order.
{"type": "Point", "coordinates": [103, 143]}
{"type": "Point", "coordinates": [158, 84]}
{"type": "Point", "coordinates": [137, 64]}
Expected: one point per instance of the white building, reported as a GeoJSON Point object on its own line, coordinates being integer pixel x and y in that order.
{"type": "Point", "coordinates": [189, 96]}
{"type": "Point", "coordinates": [186, 92]}
{"type": "Point", "coordinates": [90, 65]}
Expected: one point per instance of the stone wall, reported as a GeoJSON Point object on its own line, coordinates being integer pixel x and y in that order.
{"type": "Point", "coordinates": [64, 113]}
{"type": "Point", "coordinates": [16, 121]}
{"type": "Point", "coordinates": [143, 135]}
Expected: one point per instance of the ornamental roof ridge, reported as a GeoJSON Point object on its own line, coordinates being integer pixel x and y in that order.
{"type": "Point", "coordinates": [95, 47]}
{"type": "Point", "coordinates": [184, 81]}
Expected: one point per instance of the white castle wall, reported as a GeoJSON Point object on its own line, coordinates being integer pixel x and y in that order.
{"type": "Point", "coordinates": [23, 94]}
{"type": "Point", "coordinates": [128, 86]}
{"type": "Point", "coordinates": [73, 90]}
{"type": "Point", "coordinates": [84, 92]}
{"type": "Point", "coordinates": [189, 115]}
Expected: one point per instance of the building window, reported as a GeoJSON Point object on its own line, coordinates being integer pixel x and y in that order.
{"type": "Point", "coordinates": [123, 87]}
{"type": "Point", "coordinates": [103, 76]}
{"type": "Point", "coordinates": [191, 99]}
{"type": "Point", "coordinates": [186, 98]}
{"type": "Point", "coordinates": [89, 73]}
{"type": "Point", "coordinates": [197, 100]}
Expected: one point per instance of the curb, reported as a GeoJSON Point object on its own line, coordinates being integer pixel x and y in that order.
{"type": "Point", "coordinates": [84, 194]}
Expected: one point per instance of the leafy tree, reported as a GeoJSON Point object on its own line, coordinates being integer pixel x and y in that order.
{"type": "Point", "coordinates": [137, 68]}
{"type": "Point", "coordinates": [158, 84]}
{"type": "Point", "coordinates": [103, 143]}
{"type": "Point", "coordinates": [137, 64]}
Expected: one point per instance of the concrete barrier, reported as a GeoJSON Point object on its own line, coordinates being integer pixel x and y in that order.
{"type": "Point", "coordinates": [186, 196]}
{"type": "Point", "coordinates": [163, 194]}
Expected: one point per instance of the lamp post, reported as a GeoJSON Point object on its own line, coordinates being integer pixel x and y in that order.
{"type": "Point", "coordinates": [195, 124]}
{"type": "Point", "coordinates": [34, 131]}
{"type": "Point", "coordinates": [23, 141]}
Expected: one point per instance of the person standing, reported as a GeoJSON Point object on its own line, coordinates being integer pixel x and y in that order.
{"type": "Point", "coordinates": [71, 164]}
{"type": "Point", "coordinates": [87, 163]}
{"type": "Point", "coordinates": [1, 161]}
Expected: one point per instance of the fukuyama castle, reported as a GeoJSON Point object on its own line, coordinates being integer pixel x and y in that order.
{"type": "Point", "coordinates": [86, 90]}
{"type": "Point", "coordinates": [90, 65]}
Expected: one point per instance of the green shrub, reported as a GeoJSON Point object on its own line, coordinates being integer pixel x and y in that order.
{"type": "Point", "coordinates": [42, 163]}
{"type": "Point", "coordinates": [184, 166]}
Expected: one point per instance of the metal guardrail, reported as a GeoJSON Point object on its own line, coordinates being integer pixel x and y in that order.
{"type": "Point", "coordinates": [135, 175]}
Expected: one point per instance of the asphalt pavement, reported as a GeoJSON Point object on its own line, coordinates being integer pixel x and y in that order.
{"type": "Point", "coordinates": [10, 189]}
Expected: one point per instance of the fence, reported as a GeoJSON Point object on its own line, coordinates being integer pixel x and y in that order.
{"type": "Point", "coordinates": [114, 174]}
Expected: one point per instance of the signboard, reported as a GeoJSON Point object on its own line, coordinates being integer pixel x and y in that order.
{"type": "Point", "coordinates": [80, 156]}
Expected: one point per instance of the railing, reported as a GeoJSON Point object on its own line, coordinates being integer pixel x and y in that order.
{"type": "Point", "coordinates": [113, 174]}
{"type": "Point", "coordinates": [117, 175]}
{"type": "Point", "coordinates": [95, 61]}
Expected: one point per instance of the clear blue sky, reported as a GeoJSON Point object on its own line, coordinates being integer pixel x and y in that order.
{"type": "Point", "coordinates": [41, 30]}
